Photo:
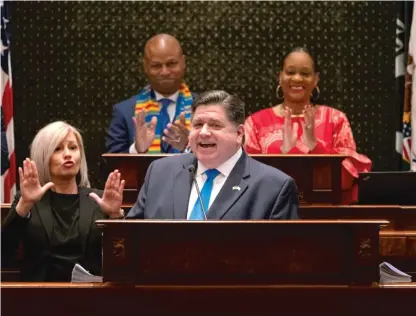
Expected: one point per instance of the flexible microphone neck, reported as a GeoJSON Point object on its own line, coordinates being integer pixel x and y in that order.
{"type": "Point", "coordinates": [192, 170]}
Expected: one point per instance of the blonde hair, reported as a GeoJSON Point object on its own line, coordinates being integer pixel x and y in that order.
{"type": "Point", "coordinates": [43, 147]}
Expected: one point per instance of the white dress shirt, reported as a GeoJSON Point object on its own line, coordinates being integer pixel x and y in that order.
{"type": "Point", "coordinates": [171, 112]}
{"type": "Point", "coordinates": [200, 177]}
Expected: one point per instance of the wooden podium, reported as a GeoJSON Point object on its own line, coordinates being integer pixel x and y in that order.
{"type": "Point", "coordinates": [155, 252]}
{"type": "Point", "coordinates": [318, 177]}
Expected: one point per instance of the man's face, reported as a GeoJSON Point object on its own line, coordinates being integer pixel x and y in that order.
{"type": "Point", "coordinates": [213, 137]}
{"type": "Point", "coordinates": [165, 68]}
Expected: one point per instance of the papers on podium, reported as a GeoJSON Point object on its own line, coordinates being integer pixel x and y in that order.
{"type": "Point", "coordinates": [79, 274]}
{"type": "Point", "coordinates": [390, 274]}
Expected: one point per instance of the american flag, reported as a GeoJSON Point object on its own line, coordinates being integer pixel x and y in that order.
{"type": "Point", "coordinates": [8, 176]}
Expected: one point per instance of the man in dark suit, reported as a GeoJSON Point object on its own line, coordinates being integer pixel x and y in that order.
{"type": "Point", "coordinates": [156, 120]}
{"type": "Point", "coordinates": [233, 185]}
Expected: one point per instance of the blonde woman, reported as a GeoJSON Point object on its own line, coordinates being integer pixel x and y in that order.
{"type": "Point", "coordinates": [55, 212]}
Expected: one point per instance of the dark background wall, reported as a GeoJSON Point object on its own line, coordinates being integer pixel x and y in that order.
{"type": "Point", "coordinates": [73, 60]}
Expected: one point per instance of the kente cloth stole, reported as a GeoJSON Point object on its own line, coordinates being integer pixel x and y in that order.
{"type": "Point", "coordinates": [146, 100]}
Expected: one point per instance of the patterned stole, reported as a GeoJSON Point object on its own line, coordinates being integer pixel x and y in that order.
{"type": "Point", "coordinates": [146, 100]}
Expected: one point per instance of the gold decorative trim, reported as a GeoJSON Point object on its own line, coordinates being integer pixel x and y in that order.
{"type": "Point", "coordinates": [118, 250]}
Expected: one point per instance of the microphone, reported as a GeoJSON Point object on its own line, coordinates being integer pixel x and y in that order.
{"type": "Point", "coordinates": [191, 169]}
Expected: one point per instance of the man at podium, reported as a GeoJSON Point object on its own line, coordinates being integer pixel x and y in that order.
{"type": "Point", "coordinates": [217, 180]}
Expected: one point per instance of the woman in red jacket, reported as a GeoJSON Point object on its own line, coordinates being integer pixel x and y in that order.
{"type": "Point", "coordinates": [299, 126]}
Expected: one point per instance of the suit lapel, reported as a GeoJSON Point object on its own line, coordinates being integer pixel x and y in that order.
{"type": "Point", "coordinates": [130, 123]}
{"type": "Point", "coordinates": [233, 188]}
{"type": "Point", "coordinates": [182, 190]}
{"type": "Point", "coordinates": [45, 213]}
{"type": "Point", "coordinates": [86, 212]}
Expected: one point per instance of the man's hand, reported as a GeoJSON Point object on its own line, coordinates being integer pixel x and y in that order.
{"type": "Point", "coordinates": [176, 134]}
{"type": "Point", "coordinates": [145, 132]}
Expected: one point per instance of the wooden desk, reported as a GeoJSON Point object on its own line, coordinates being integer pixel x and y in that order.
{"type": "Point", "coordinates": [397, 240]}
{"type": "Point", "coordinates": [5, 208]}
{"type": "Point", "coordinates": [104, 299]}
{"type": "Point", "coordinates": [180, 252]}
{"type": "Point", "coordinates": [400, 217]}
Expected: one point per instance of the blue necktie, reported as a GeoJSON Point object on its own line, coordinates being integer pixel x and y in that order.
{"type": "Point", "coordinates": [163, 121]}
{"type": "Point", "coordinates": [197, 213]}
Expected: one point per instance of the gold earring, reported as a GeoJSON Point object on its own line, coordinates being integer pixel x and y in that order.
{"type": "Point", "coordinates": [277, 92]}
{"type": "Point", "coordinates": [315, 97]}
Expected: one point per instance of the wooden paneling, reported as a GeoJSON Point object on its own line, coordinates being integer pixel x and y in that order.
{"type": "Point", "coordinates": [150, 252]}
{"type": "Point", "coordinates": [104, 299]}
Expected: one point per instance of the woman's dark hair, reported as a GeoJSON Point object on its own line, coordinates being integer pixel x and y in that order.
{"type": "Point", "coordinates": [301, 50]}
{"type": "Point", "coordinates": [315, 93]}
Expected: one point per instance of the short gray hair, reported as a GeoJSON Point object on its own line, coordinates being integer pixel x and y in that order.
{"type": "Point", "coordinates": [43, 147]}
{"type": "Point", "coordinates": [234, 106]}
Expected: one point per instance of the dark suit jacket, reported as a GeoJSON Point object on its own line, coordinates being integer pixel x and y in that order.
{"type": "Point", "coordinates": [265, 192]}
{"type": "Point", "coordinates": [120, 134]}
{"type": "Point", "coordinates": [35, 234]}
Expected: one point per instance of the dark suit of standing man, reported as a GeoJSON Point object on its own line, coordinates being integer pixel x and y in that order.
{"type": "Point", "coordinates": [243, 189]}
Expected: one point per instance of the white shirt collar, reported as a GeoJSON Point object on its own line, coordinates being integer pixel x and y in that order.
{"type": "Point", "coordinates": [173, 97]}
{"type": "Point", "coordinates": [225, 168]}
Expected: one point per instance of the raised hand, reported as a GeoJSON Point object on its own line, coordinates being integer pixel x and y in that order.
{"type": "Point", "coordinates": [145, 132]}
{"type": "Point", "coordinates": [110, 202]}
{"type": "Point", "coordinates": [30, 188]}
{"type": "Point", "coordinates": [308, 126]}
{"type": "Point", "coordinates": [176, 134]}
{"type": "Point", "coordinates": [290, 134]}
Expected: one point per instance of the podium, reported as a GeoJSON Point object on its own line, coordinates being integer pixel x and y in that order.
{"type": "Point", "coordinates": [318, 177]}
{"type": "Point", "coordinates": [156, 252]}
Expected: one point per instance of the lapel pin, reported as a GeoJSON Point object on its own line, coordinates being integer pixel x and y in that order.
{"type": "Point", "coordinates": [236, 187]}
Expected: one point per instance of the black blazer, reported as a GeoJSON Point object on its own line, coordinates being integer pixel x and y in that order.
{"type": "Point", "coordinates": [35, 235]}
